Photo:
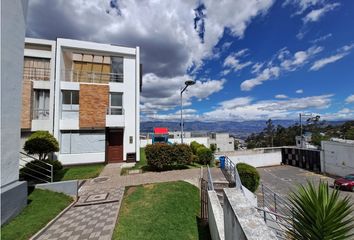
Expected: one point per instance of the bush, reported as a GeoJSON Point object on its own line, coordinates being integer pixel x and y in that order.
{"type": "Point", "coordinates": [194, 146]}
{"type": "Point", "coordinates": [161, 155]}
{"type": "Point", "coordinates": [182, 153]}
{"type": "Point", "coordinates": [249, 176]}
{"type": "Point", "coordinates": [35, 168]}
{"type": "Point", "coordinates": [41, 143]}
{"type": "Point", "coordinates": [213, 147]}
{"type": "Point", "coordinates": [205, 155]}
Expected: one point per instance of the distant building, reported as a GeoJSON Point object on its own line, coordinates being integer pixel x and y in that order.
{"type": "Point", "coordinates": [304, 141]}
{"type": "Point", "coordinates": [223, 142]}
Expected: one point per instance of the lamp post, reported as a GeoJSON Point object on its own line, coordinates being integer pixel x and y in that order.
{"type": "Point", "coordinates": [187, 83]}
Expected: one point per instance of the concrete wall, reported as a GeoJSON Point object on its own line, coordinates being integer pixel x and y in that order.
{"type": "Point", "coordinates": [258, 159]}
{"type": "Point", "coordinates": [13, 193]}
{"type": "Point", "coordinates": [337, 158]}
{"type": "Point", "coordinates": [67, 187]}
{"type": "Point", "coordinates": [215, 217]}
{"type": "Point", "coordinates": [201, 140]}
{"type": "Point", "coordinates": [241, 219]}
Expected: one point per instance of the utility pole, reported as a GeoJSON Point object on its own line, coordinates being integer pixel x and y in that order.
{"type": "Point", "coordinates": [187, 83]}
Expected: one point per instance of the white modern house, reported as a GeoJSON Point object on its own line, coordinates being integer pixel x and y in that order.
{"type": "Point", "coordinates": [87, 95]}
{"type": "Point", "coordinates": [13, 22]}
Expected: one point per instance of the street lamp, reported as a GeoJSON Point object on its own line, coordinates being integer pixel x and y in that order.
{"type": "Point", "coordinates": [187, 83]}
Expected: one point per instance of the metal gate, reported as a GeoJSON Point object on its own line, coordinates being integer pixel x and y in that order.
{"type": "Point", "coordinates": [203, 199]}
{"type": "Point", "coordinates": [308, 159]}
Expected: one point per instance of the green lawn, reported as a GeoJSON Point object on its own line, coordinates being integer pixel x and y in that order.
{"type": "Point", "coordinates": [160, 211]}
{"type": "Point", "coordinates": [43, 206]}
{"type": "Point", "coordinates": [79, 172]}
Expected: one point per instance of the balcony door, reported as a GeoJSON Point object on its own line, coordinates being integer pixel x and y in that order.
{"type": "Point", "coordinates": [114, 151]}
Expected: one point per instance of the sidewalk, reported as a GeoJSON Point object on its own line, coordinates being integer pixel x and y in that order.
{"type": "Point", "coordinates": [95, 213]}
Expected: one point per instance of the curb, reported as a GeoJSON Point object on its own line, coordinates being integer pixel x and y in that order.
{"type": "Point", "coordinates": [35, 236]}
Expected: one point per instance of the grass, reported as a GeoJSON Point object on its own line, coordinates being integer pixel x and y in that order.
{"type": "Point", "coordinates": [79, 172]}
{"type": "Point", "coordinates": [143, 166]}
{"type": "Point", "coordinates": [160, 211]}
{"type": "Point", "coordinates": [43, 206]}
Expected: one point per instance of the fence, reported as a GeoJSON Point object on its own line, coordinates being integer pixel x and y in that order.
{"type": "Point", "coordinates": [275, 210]}
{"type": "Point", "coordinates": [91, 77]}
{"type": "Point", "coordinates": [308, 159]}
{"type": "Point", "coordinates": [35, 170]}
{"type": "Point", "coordinates": [33, 73]}
{"type": "Point", "coordinates": [231, 173]}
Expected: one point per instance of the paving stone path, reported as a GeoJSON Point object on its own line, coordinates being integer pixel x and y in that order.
{"type": "Point", "coordinates": [94, 215]}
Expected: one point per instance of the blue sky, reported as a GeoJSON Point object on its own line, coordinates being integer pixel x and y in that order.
{"type": "Point", "coordinates": [252, 60]}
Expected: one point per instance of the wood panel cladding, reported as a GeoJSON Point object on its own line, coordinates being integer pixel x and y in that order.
{"type": "Point", "coordinates": [94, 100]}
{"type": "Point", "coordinates": [26, 104]}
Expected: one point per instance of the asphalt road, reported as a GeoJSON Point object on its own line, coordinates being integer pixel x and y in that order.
{"type": "Point", "coordinates": [283, 179]}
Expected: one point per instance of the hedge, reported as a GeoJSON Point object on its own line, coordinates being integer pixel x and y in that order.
{"type": "Point", "coordinates": [161, 155]}
{"type": "Point", "coordinates": [205, 155]}
{"type": "Point", "coordinates": [32, 168]}
{"type": "Point", "coordinates": [249, 176]}
{"type": "Point", "coordinates": [194, 146]}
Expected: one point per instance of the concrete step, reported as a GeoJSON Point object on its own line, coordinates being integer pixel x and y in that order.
{"type": "Point", "coordinates": [220, 184]}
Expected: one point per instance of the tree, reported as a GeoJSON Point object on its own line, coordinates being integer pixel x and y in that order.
{"type": "Point", "coordinates": [319, 214]}
{"type": "Point", "coordinates": [213, 147]}
{"type": "Point", "coordinates": [270, 132]}
{"type": "Point", "coordinates": [41, 143]}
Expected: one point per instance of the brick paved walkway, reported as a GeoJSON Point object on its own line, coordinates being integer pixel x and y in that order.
{"type": "Point", "coordinates": [96, 219]}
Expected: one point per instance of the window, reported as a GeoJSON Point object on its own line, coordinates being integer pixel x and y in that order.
{"type": "Point", "coordinates": [70, 104]}
{"type": "Point", "coordinates": [117, 69]}
{"type": "Point", "coordinates": [76, 142]}
{"type": "Point", "coordinates": [115, 104]}
{"type": "Point", "coordinates": [36, 68]}
{"type": "Point", "coordinates": [130, 139]}
{"type": "Point", "coordinates": [40, 104]}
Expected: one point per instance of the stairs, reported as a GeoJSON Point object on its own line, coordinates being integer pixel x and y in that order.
{"type": "Point", "coordinates": [218, 188]}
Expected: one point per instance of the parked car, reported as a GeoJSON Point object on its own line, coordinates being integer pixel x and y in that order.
{"type": "Point", "coordinates": [345, 183]}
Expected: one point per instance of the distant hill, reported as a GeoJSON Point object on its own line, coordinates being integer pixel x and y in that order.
{"type": "Point", "coordinates": [238, 129]}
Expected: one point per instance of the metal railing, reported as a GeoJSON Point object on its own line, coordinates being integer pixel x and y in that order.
{"type": "Point", "coordinates": [91, 77]}
{"type": "Point", "coordinates": [35, 169]}
{"type": "Point", "coordinates": [41, 114]}
{"type": "Point", "coordinates": [33, 73]}
{"type": "Point", "coordinates": [231, 173]}
{"type": "Point", "coordinates": [210, 180]}
{"type": "Point", "coordinates": [276, 211]}
{"type": "Point", "coordinates": [115, 111]}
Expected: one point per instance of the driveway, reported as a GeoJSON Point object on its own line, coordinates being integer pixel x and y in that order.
{"type": "Point", "coordinates": [283, 179]}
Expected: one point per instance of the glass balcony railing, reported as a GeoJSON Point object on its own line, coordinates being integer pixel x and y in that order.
{"type": "Point", "coordinates": [40, 114]}
{"type": "Point", "coordinates": [40, 74]}
{"type": "Point", "coordinates": [91, 77]}
{"type": "Point", "coordinates": [115, 111]}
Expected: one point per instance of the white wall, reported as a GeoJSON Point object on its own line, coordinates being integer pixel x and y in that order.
{"type": "Point", "coordinates": [84, 158]}
{"type": "Point", "coordinates": [215, 217]}
{"type": "Point", "coordinates": [337, 158]}
{"type": "Point", "coordinates": [258, 160]}
{"type": "Point", "coordinates": [13, 14]}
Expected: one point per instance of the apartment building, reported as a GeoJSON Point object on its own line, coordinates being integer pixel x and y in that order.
{"type": "Point", "coordinates": [87, 95]}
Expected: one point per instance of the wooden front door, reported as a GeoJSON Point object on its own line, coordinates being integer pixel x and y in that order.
{"type": "Point", "coordinates": [115, 146]}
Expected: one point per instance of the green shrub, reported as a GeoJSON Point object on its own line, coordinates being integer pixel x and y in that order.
{"type": "Point", "coordinates": [159, 155]}
{"type": "Point", "coordinates": [194, 146]}
{"type": "Point", "coordinates": [249, 176]}
{"type": "Point", "coordinates": [33, 171]}
{"type": "Point", "coordinates": [205, 155]}
{"type": "Point", "coordinates": [182, 153]}
{"type": "Point", "coordinates": [213, 147]}
{"type": "Point", "coordinates": [41, 143]}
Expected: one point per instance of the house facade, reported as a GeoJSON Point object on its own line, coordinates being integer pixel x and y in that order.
{"type": "Point", "coordinates": [92, 99]}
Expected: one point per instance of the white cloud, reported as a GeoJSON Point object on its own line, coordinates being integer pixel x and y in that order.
{"type": "Point", "coordinates": [342, 52]}
{"type": "Point", "coordinates": [232, 61]}
{"type": "Point", "coordinates": [343, 114]}
{"type": "Point", "coordinates": [321, 38]}
{"type": "Point", "coordinates": [162, 93]}
{"type": "Point", "coordinates": [258, 110]}
{"type": "Point", "coordinates": [316, 14]}
{"type": "Point", "coordinates": [303, 5]}
{"type": "Point", "coordinates": [286, 62]}
{"type": "Point", "coordinates": [350, 99]}
{"type": "Point", "coordinates": [299, 91]}
{"type": "Point", "coordinates": [257, 67]}
{"type": "Point", "coordinates": [281, 96]}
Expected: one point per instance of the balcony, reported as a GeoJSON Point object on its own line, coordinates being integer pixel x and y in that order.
{"type": "Point", "coordinates": [40, 120]}
{"type": "Point", "coordinates": [115, 117]}
{"type": "Point", "coordinates": [37, 74]}
{"type": "Point", "coordinates": [91, 77]}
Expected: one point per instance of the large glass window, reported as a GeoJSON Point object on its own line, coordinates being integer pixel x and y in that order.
{"type": "Point", "coordinates": [36, 68]}
{"type": "Point", "coordinates": [117, 69]}
{"type": "Point", "coordinates": [76, 142]}
{"type": "Point", "coordinates": [70, 104]}
{"type": "Point", "coordinates": [115, 104]}
{"type": "Point", "coordinates": [40, 104]}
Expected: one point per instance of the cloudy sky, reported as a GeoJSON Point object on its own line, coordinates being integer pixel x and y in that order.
{"type": "Point", "coordinates": [251, 59]}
